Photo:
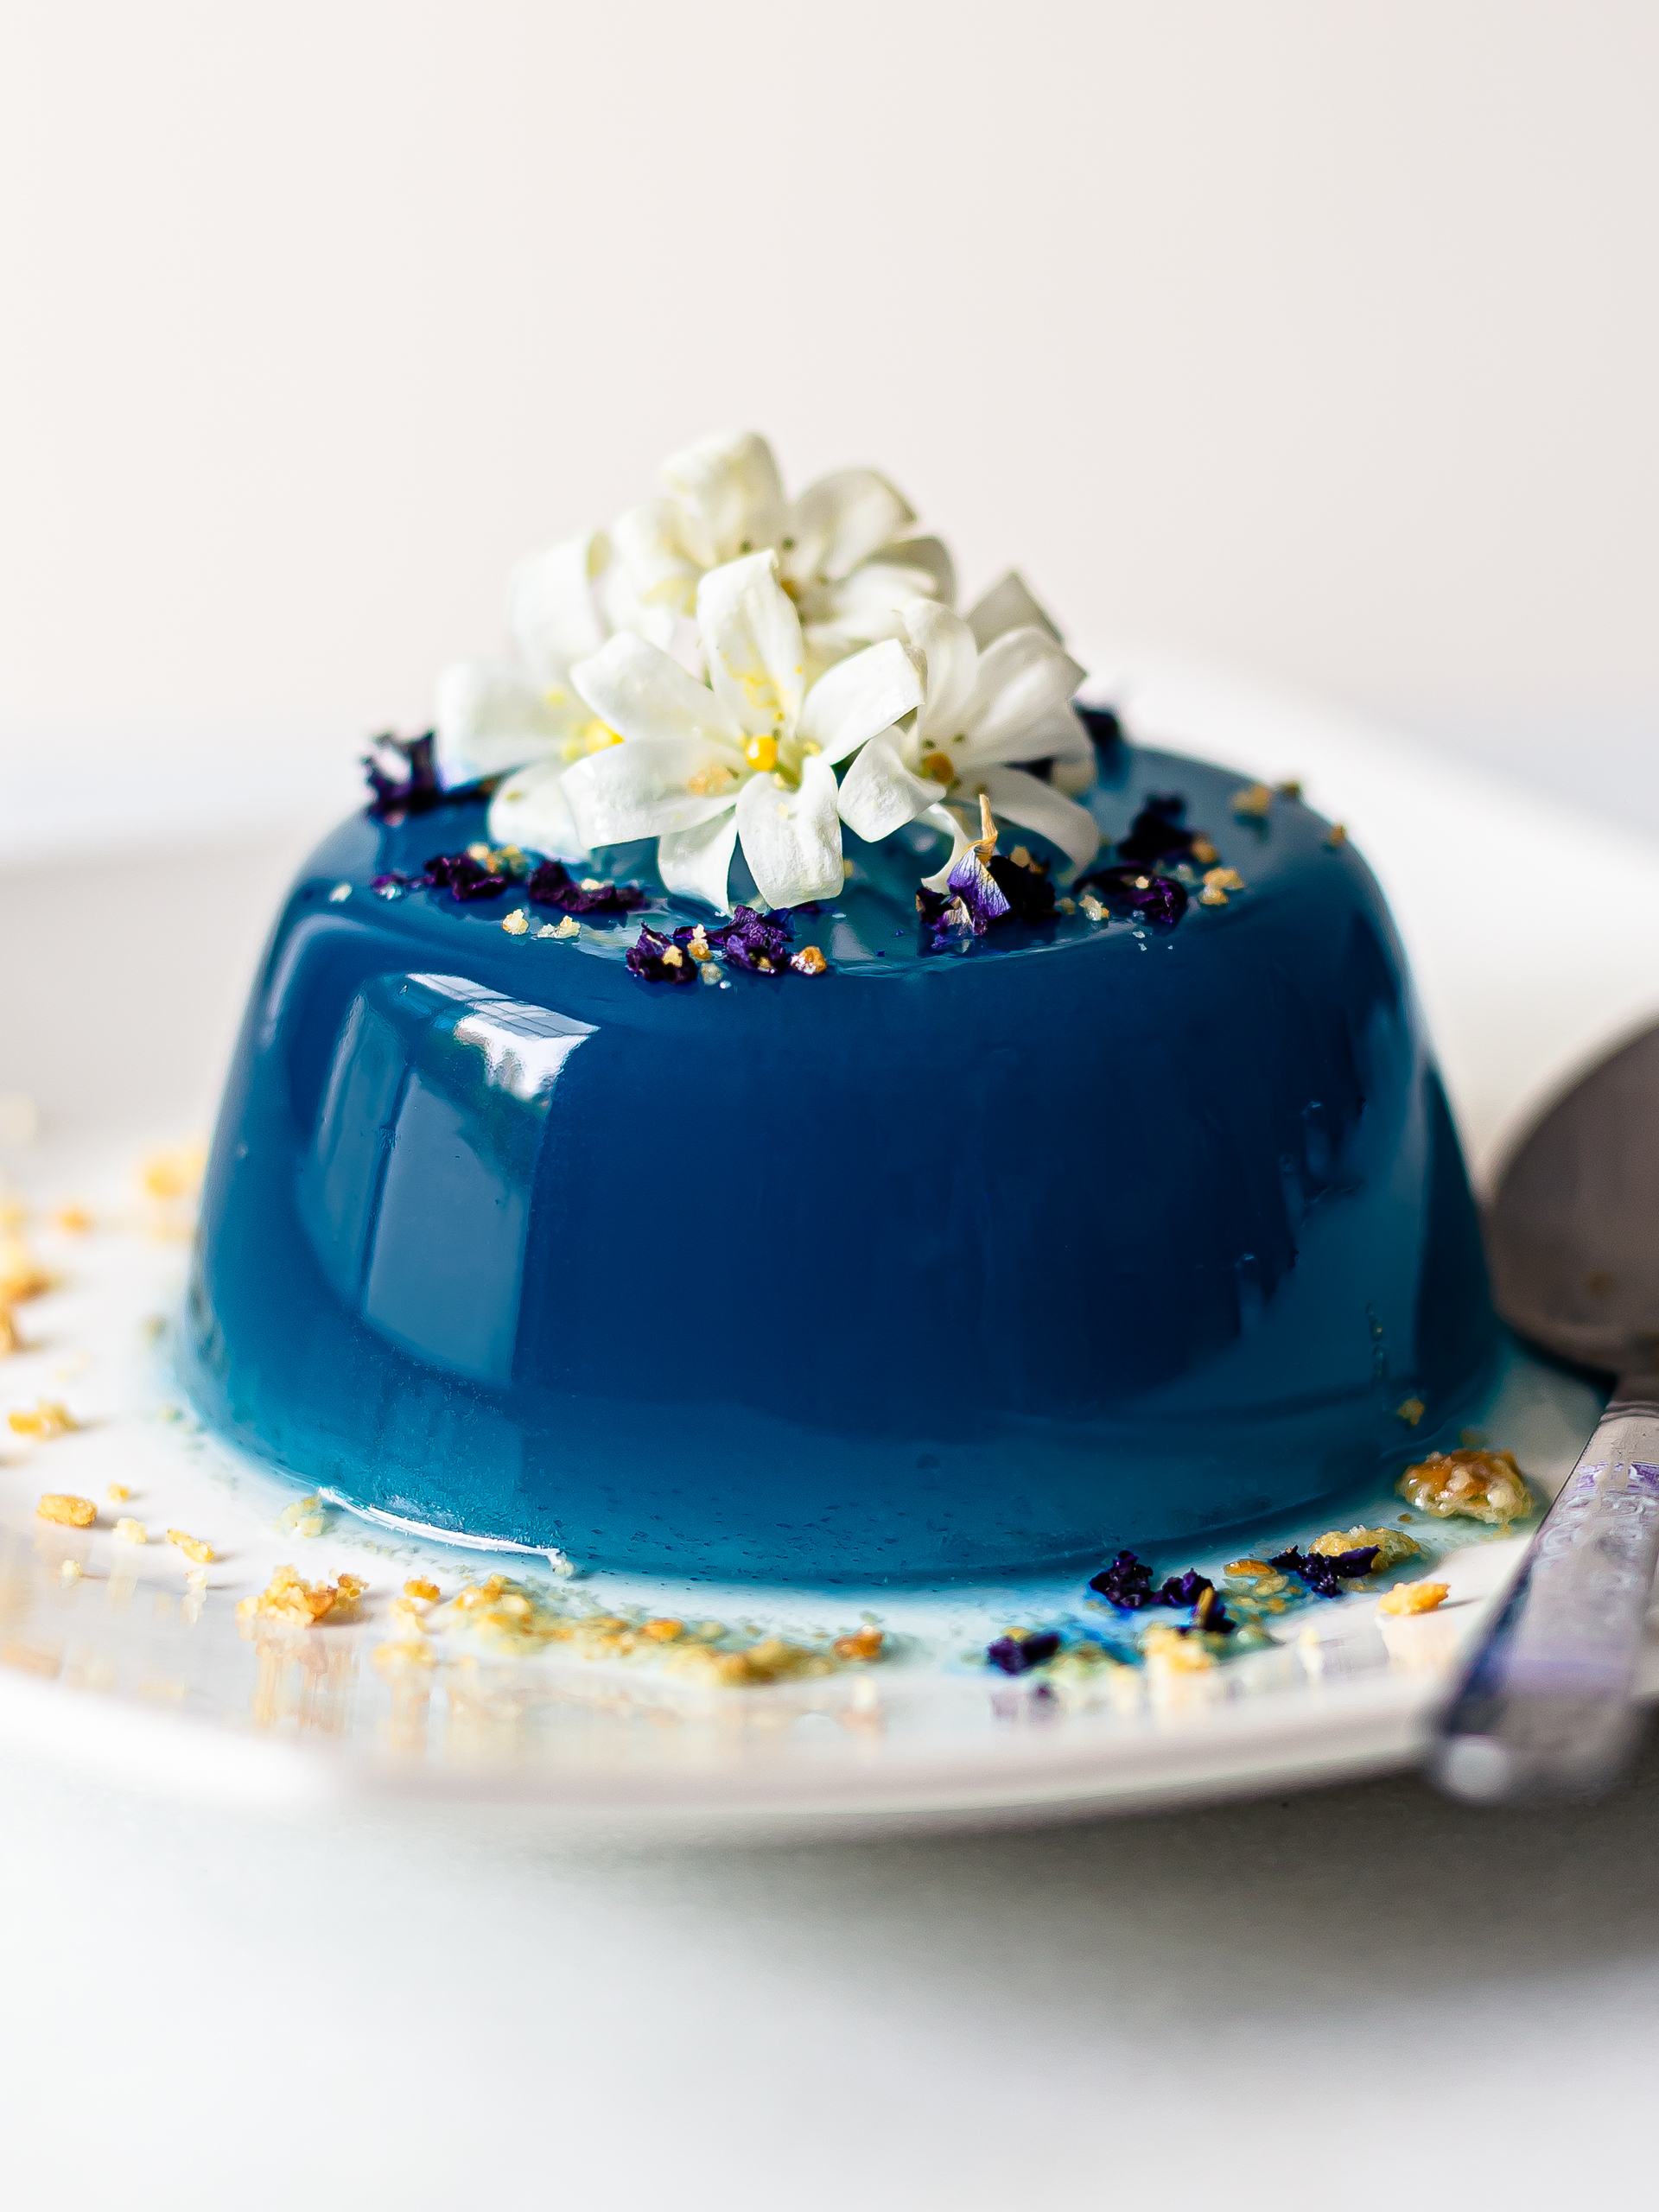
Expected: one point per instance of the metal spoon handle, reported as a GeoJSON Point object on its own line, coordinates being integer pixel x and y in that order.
{"type": "Point", "coordinates": [1544, 1707]}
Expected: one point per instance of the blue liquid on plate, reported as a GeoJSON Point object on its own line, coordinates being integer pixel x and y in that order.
{"type": "Point", "coordinates": [923, 1267]}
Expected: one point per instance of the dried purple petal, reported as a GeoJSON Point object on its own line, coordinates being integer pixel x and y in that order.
{"type": "Point", "coordinates": [659, 959]}
{"type": "Point", "coordinates": [1127, 1582]}
{"type": "Point", "coordinates": [1136, 894]}
{"type": "Point", "coordinates": [1017, 1655]}
{"type": "Point", "coordinates": [758, 942]}
{"type": "Point", "coordinates": [982, 896]}
{"type": "Point", "coordinates": [553, 885]}
{"type": "Point", "coordinates": [1026, 889]}
{"type": "Point", "coordinates": [403, 775]}
{"type": "Point", "coordinates": [394, 883]}
{"type": "Point", "coordinates": [1157, 832]}
{"type": "Point", "coordinates": [1325, 1572]}
{"type": "Point", "coordinates": [463, 877]}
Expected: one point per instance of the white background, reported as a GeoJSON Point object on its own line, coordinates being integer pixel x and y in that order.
{"type": "Point", "coordinates": [1317, 338]}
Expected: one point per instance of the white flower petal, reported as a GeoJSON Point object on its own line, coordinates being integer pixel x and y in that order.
{"type": "Point", "coordinates": [642, 790]}
{"type": "Point", "coordinates": [651, 551]}
{"type": "Point", "coordinates": [697, 863]}
{"type": "Point", "coordinates": [752, 638]}
{"type": "Point", "coordinates": [1008, 606]}
{"type": "Point", "coordinates": [878, 793]}
{"type": "Point", "coordinates": [791, 840]}
{"type": "Point", "coordinates": [552, 608]}
{"type": "Point", "coordinates": [1028, 800]}
{"type": "Point", "coordinates": [952, 659]}
{"type": "Point", "coordinates": [490, 718]}
{"type": "Point", "coordinates": [840, 521]}
{"type": "Point", "coordinates": [858, 697]}
{"type": "Point", "coordinates": [924, 556]}
{"type": "Point", "coordinates": [961, 837]}
{"type": "Point", "coordinates": [730, 496]}
{"type": "Point", "coordinates": [531, 811]}
{"type": "Point", "coordinates": [643, 692]}
{"type": "Point", "coordinates": [861, 608]}
{"type": "Point", "coordinates": [1023, 677]}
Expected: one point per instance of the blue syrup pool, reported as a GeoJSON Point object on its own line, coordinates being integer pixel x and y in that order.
{"type": "Point", "coordinates": [938, 1264]}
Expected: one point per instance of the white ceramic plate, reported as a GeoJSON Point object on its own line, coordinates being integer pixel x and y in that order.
{"type": "Point", "coordinates": [124, 1665]}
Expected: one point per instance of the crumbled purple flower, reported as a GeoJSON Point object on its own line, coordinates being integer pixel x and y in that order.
{"type": "Point", "coordinates": [660, 960]}
{"type": "Point", "coordinates": [394, 884]}
{"type": "Point", "coordinates": [463, 877]}
{"type": "Point", "coordinates": [402, 776]}
{"type": "Point", "coordinates": [1184, 1589]}
{"type": "Point", "coordinates": [1134, 894]}
{"type": "Point", "coordinates": [553, 885]}
{"type": "Point", "coordinates": [1325, 1572]}
{"type": "Point", "coordinates": [1103, 725]}
{"type": "Point", "coordinates": [758, 942]}
{"type": "Point", "coordinates": [1018, 1654]}
{"type": "Point", "coordinates": [1127, 1582]}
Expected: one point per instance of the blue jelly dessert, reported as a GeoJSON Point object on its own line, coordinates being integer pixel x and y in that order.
{"type": "Point", "coordinates": [851, 1242]}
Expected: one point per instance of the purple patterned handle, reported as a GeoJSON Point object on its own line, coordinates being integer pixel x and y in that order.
{"type": "Point", "coordinates": [1544, 1707]}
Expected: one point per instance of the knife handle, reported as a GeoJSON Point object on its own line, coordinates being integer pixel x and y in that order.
{"type": "Point", "coordinates": [1544, 1709]}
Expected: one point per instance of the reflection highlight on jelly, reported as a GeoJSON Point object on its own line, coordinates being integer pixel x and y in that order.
{"type": "Point", "coordinates": [416, 1193]}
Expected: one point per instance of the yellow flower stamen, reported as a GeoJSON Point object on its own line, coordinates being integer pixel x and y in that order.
{"type": "Point", "coordinates": [762, 752]}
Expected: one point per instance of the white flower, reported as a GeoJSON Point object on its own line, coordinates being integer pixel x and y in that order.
{"type": "Point", "coordinates": [749, 754]}
{"type": "Point", "coordinates": [998, 692]}
{"type": "Point", "coordinates": [843, 554]}
{"type": "Point", "coordinates": [496, 717]}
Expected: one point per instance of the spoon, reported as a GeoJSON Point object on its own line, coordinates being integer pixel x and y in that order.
{"type": "Point", "coordinates": [1544, 1706]}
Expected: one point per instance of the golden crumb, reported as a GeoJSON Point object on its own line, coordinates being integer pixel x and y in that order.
{"type": "Point", "coordinates": [71, 1512]}
{"type": "Point", "coordinates": [863, 1644]}
{"type": "Point", "coordinates": [289, 1598]}
{"type": "Point", "coordinates": [1481, 1485]}
{"type": "Point", "coordinates": [1248, 1570]}
{"type": "Point", "coordinates": [666, 1630]}
{"type": "Point", "coordinates": [1337, 837]}
{"type": "Point", "coordinates": [418, 1586]}
{"type": "Point", "coordinates": [47, 1418]}
{"type": "Point", "coordinates": [699, 948]}
{"type": "Point", "coordinates": [1223, 879]}
{"type": "Point", "coordinates": [1291, 788]}
{"type": "Point", "coordinates": [516, 923]}
{"type": "Point", "coordinates": [1168, 1651]}
{"type": "Point", "coordinates": [71, 1570]}
{"type": "Point", "coordinates": [306, 1516]}
{"type": "Point", "coordinates": [192, 1546]}
{"type": "Point", "coordinates": [75, 1219]}
{"type": "Point", "coordinates": [174, 1171]}
{"type": "Point", "coordinates": [773, 1659]}
{"type": "Point", "coordinates": [1092, 907]}
{"type": "Point", "coordinates": [129, 1531]}
{"type": "Point", "coordinates": [809, 961]}
{"type": "Point", "coordinates": [117, 1493]}
{"type": "Point", "coordinates": [196, 1576]}
{"type": "Point", "coordinates": [1209, 898]}
{"type": "Point", "coordinates": [22, 1275]}
{"type": "Point", "coordinates": [1411, 1411]}
{"type": "Point", "coordinates": [1253, 801]}
{"type": "Point", "coordinates": [1203, 852]}
{"type": "Point", "coordinates": [568, 928]}
{"type": "Point", "coordinates": [1414, 1597]}
{"type": "Point", "coordinates": [1065, 906]}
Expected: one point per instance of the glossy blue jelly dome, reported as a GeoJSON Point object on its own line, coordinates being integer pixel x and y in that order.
{"type": "Point", "coordinates": [938, 1264]}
